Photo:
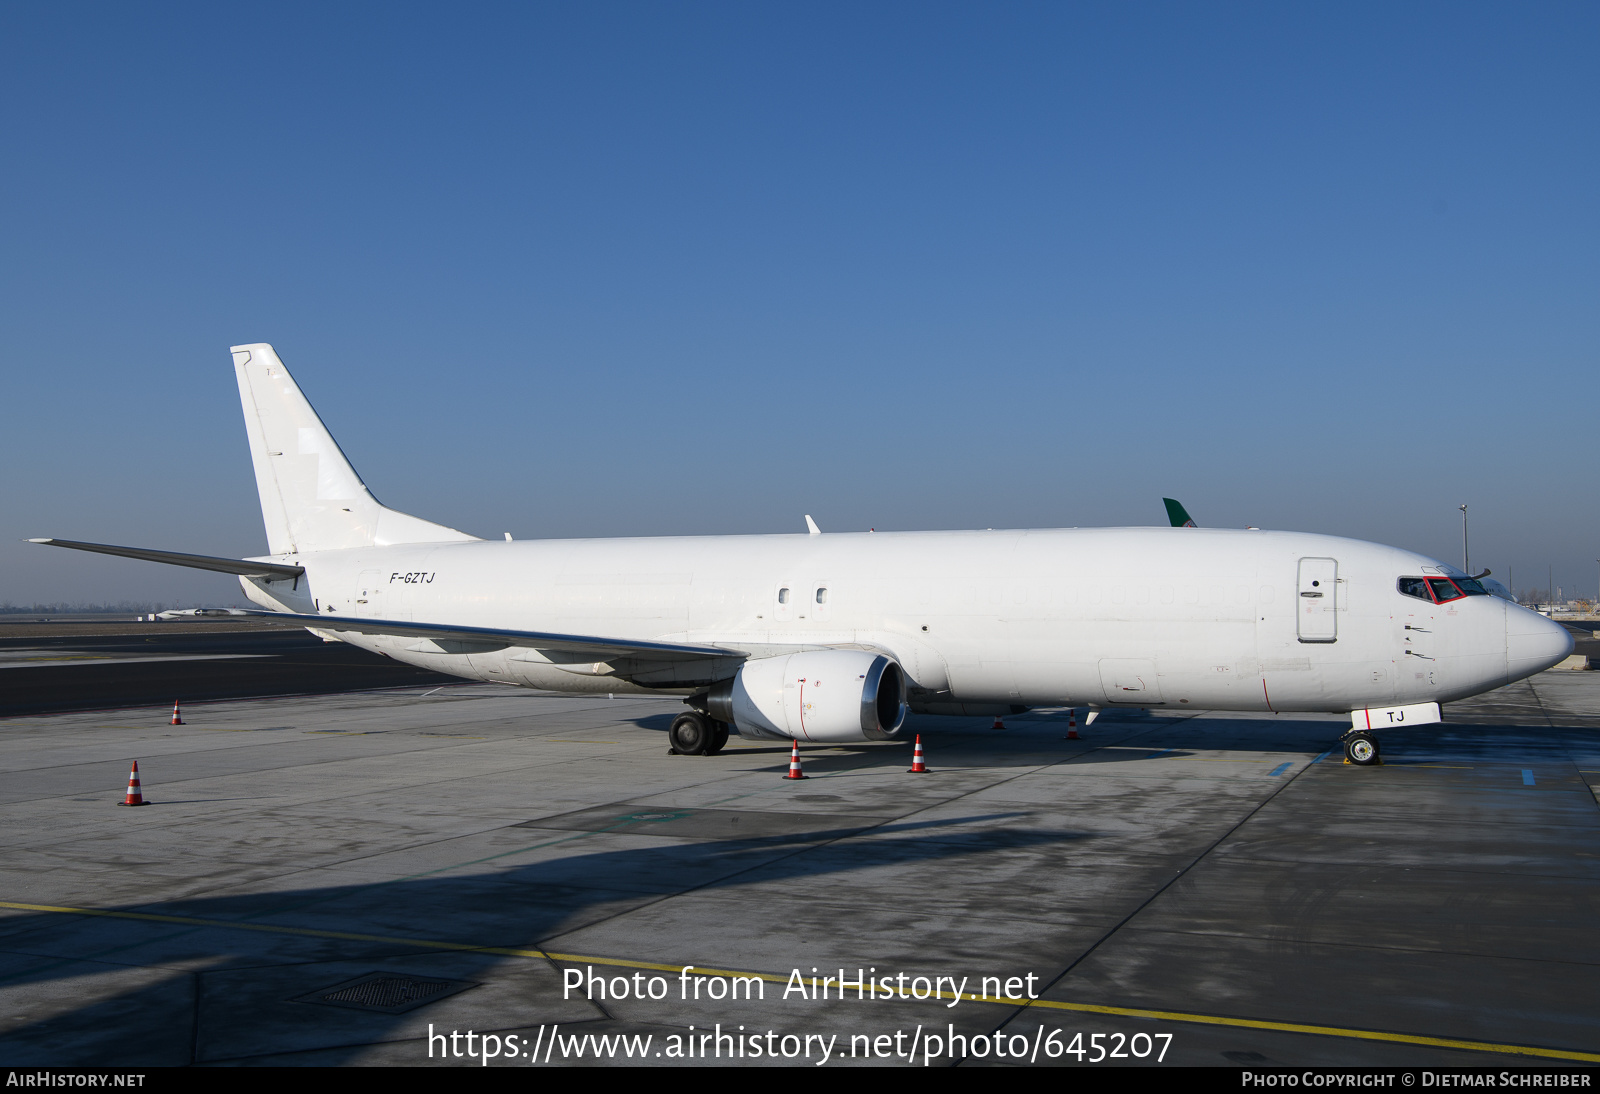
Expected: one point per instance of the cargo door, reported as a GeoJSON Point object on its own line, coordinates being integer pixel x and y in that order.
{"type": "Point", "coordinates": [1317, 616]}
{"type": "Point", "coordinates": [371, 595]}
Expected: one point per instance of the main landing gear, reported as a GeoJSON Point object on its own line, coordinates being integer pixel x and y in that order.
{"type": "Point", "coordinates": [1361, 748]}
{"type": "Point", "coordinates": [696, 734]}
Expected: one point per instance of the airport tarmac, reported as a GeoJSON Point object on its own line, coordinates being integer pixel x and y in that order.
{"type": "Point", "coordinates": [324, 879]}
{"type": "Point", "coordinates": [96, 663]}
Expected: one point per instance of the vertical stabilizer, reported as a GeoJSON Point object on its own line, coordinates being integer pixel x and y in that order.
{"type": "Point", "coordinates": [311, 498]}
{"type": "Point", "coordinates": [1178, 515]}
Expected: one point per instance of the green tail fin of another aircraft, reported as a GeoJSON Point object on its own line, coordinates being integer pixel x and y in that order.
{"type": "Point", "coordinates": [1178, 515]}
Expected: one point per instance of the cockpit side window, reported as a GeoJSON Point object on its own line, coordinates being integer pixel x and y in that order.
{"type": "Point", "coordinates": [1415, 586]}
{"type": "Point", "coordinates": [1444, 589]}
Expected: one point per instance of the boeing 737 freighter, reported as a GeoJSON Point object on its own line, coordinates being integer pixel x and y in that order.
{"type": "Point", "coordinates": [834, 637]}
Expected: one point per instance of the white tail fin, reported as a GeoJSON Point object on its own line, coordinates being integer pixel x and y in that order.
{"type": "Point", "coordinates": [311, 498]}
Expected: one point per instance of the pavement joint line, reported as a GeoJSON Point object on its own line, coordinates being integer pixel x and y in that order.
{"type": "Point", "coordinates": [1153, 897]}
{"type": "Point", "coordinates": [502, 854]}
{"type": "Point", "coordinates": [299, 766]}
{"type": "Point", "coordinates": [101, 956]}
{"type": "Point", "coordinates": [623, 823]}
{"type": "Point", "coordinates": [887, 820]}
{"type": "Point", "coordinates": [775, 978]}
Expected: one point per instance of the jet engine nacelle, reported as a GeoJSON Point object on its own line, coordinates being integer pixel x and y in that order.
{"type": "Point", "coordinates": [820, 695]}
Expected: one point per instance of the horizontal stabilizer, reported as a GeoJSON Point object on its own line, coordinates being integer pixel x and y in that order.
{"type": "Point", "coordinates": [538, 640]}
{"type": "Point", "coordinates": [242, 567]}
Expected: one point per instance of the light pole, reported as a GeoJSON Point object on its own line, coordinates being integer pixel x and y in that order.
{"type": "Point", "coordinates": [1466, 556]}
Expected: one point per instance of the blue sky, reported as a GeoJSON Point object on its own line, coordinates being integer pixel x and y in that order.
{"type": "Point", "coordinates": [638, 269]}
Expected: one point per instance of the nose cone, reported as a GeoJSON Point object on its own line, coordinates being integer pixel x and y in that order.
{"type": "Point", "coordinates": [1533, 643]}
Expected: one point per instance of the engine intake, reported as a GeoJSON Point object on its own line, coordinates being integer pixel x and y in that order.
{"type": "Point", "coordinates": [819, 695]}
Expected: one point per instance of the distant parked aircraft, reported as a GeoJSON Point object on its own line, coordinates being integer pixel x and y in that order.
{"type": "Point", "coordinates": [1178, 515]}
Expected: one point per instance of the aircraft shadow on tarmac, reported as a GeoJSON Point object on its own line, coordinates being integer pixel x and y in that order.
{"type": "Point", "coordinates": [955, 744]}
{"type": "Point", "coordinates": [524, 907]}
{"type": "Point", "coordinates": [519, 908]}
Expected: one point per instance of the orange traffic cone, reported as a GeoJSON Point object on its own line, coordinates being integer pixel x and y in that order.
{"type": "Point", "coordinates": [134, 796]}
{"type": "Point", "coordinates": [794, 763]}
{"type": "Point", "coordinates": [918, 767]}
{"type": "Point", "coordinates": [1072, 724]}
{"type": "Point", "coordinates": [177, 719]}
{"type": "Point", "coordinates": [998, 724]}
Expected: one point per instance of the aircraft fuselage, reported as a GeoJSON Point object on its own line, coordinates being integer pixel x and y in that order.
{"type": "Point", "coordinates": [1174, 618]}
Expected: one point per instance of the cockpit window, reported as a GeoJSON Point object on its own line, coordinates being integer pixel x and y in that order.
{"type": "Point", "coordinates": [1415, 586]}
{"type": "Point", "coordinates": [1440, 589]}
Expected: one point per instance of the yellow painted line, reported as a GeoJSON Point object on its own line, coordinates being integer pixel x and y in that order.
{"type": "Point", "coordinates": [1048, 1004]}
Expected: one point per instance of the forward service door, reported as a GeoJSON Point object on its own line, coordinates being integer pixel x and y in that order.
{"type": "Point", "coordinates": [1316, 606]}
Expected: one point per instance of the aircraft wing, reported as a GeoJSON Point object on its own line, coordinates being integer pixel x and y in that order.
{"type": "Point", "coordinates": [242, 566]}
{"type": "Point", "coordinates": [589, 645]}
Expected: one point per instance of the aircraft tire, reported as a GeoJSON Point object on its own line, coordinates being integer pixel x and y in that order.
{"type": "Point", "coordinates": [691, 734]}
{"type": "Point", "coordinates": [719, 737]}
{"type": "Point", "coordinates": [1361, 749]}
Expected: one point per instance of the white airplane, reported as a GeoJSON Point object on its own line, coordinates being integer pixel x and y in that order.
{"type": "Point", "coordinates": [833, 637]}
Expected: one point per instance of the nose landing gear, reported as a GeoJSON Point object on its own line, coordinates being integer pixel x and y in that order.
{"type": "Point", "coordinates": [1361, 748]}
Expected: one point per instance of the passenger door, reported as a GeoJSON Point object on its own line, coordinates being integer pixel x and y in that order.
{"type": "Point", "coordinates": [1316, 606]}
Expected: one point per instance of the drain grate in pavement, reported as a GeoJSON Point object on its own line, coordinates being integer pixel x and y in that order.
{"type": "Point", "coordinates": [385, 992]}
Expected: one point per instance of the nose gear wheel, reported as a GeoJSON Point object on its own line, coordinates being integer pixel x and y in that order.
{"type": "Point", "coordinates": [1361, 748]}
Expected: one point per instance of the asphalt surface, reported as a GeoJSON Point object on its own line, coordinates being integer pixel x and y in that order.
{"type": "Point", "coordinates": [87, 665]}
{"type": "Point", "coordinates": [1217, 890]}
{"type": "Point", "coordinates": [1584, 640]}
